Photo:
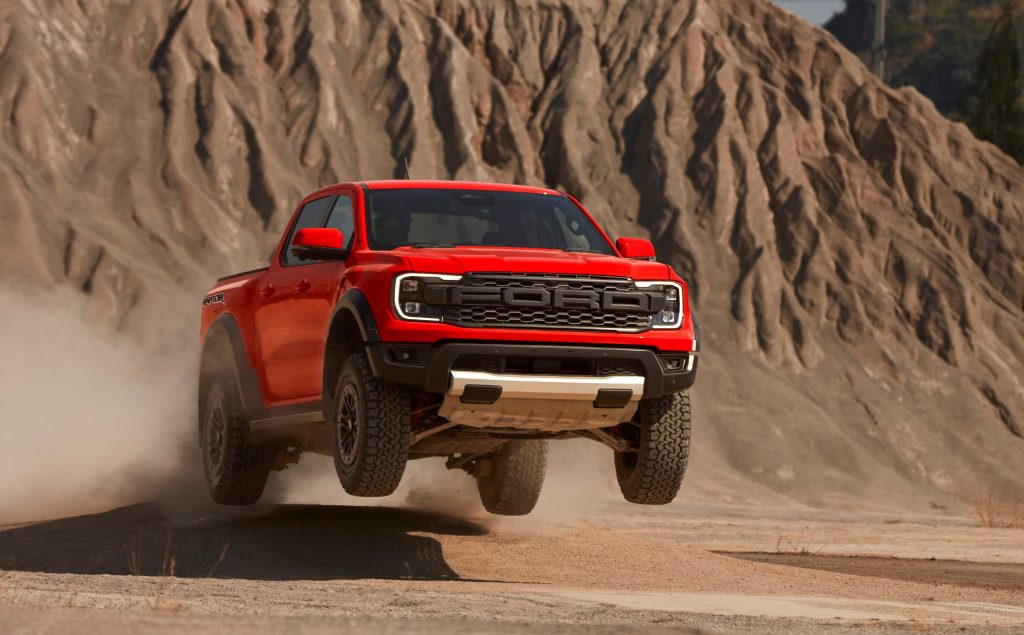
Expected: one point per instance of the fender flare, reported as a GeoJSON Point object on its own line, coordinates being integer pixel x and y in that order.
{"type": "Point", "coordinates": [355, 304]}
{"type": "Point", "coordinates": [246, 378]}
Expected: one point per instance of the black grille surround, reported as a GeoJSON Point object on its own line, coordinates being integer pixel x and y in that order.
{"type": "Point", "coordinates": [549, 301]}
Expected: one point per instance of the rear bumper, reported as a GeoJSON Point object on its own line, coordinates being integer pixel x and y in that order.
{"type": "Point", "coordinates": [429, 367]}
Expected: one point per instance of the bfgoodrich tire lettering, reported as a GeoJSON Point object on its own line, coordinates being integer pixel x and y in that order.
{"type": "Point", "coordinates": [653, 473]}
{"type": "Point", "coordinates": [236, 468]}
{"type": "Point", "coordinates": [371, 430]}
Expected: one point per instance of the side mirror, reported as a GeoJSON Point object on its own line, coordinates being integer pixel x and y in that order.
{"type": "Point", "coordinates": [319, 243]}
{"type": "Point", "coordinates": [635, 248]}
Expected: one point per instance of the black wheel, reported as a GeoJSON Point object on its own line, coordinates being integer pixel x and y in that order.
{"type": "Point", "coordinates": [653, 472]}
{"type": "Point", "coordinates": [511, 480]}
{"type": "Point", "coordinates": [236, 468]}
{"type": "Point", "coordinates": [371, 430]}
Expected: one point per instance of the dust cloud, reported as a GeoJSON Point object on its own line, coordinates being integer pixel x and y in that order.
{"type": "Point", "coordinates": [89, 421]}
{"type": "Point", "coordinates": [580, 480]}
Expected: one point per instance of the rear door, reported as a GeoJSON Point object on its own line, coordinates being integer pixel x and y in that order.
{"type": "Point", "coordinates": [277, 316]}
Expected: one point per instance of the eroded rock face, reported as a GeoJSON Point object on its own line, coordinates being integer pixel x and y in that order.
{"type": "Point", "coordinates": [855, 258]}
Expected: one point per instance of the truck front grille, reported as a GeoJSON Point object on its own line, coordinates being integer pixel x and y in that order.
{"type": "Point", "coordinates": [550, 302]}
{"type": "Point", "coordinates": [545, 318]}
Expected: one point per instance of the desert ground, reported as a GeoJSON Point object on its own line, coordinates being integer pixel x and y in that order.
{"type": "Point", "coordinates": [432, 563]}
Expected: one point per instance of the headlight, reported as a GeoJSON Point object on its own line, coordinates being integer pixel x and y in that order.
{"type": "Point", "coordinates": [671, 315]}
{"type": "Point", "coordinates": [408, 300]}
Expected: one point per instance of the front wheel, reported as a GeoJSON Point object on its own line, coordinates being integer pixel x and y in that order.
{"type": "Point", "coordinates": [511, 480]}
{"type": "Point", "coordinates": [652, 472]}
{"type": "Point", "coordinates": [370, 430]}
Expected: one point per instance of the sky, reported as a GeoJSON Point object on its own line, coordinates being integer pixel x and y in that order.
{"type": "Point", "coordinates": [814, 11]}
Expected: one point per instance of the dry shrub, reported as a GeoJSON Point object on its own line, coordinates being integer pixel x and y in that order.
{"type": "Point", "coordinates": [999, 515]}
{"type": "Point", "coordinates": [797, 545]}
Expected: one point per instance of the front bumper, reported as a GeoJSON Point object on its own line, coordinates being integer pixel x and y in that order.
{"type": "Point", "coordinates": [429, 367]}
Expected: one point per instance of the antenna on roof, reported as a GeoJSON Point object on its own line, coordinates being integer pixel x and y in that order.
{"type": "Point", "coordinates": [407, 177]}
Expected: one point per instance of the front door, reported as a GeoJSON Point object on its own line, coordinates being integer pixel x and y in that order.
{"type": "Point", "coordinates": [279, 325]}
{"type": "Point", "coordinates": [316, 291]}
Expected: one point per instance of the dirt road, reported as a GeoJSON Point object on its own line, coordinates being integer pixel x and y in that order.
{"type": "Point", "coordinates": [697, 568]}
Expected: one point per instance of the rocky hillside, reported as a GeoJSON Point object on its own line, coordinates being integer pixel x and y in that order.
{"type": "Point", "coordinates": [856, 258]}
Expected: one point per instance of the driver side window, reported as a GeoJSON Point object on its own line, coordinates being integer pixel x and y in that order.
{"type": "Point", "coordinates": [312, 215]}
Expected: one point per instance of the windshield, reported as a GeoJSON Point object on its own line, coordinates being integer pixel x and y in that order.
{"type": "Point", "coordinates": [451, 218]}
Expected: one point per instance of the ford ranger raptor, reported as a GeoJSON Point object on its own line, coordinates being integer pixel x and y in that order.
{"type": "Point", "coordinates": [402, 320]}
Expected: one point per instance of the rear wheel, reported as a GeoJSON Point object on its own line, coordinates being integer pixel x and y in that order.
{"type": "Point", "coordinates": [510, 482]}
{"type": "Point", "coordinates": [370, 430]}
{"type": "Point", "coordinates": [236, 468]}
{"type": "Point", "coordinates": [652, 472]}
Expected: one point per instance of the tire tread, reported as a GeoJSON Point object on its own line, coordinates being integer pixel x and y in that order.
{"type": "Point", "coordinates": [384, 406]}
{"type": "Point", "coordinates": [663, 454]}
{"type": "Point", "coordinates": [246, 464]}
{"type": "Point", "coordinates": [519, 470]}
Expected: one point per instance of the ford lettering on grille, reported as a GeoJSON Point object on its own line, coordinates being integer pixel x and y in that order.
{"type": "Point", "coordinates": [640, 301]}
{"type": "Point", "coordinates": [567, 302]}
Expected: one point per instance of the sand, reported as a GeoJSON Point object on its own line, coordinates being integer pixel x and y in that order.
{"type": "Point", "coordinates": [712, 568]}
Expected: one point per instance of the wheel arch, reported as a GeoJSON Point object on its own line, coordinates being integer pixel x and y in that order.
{"type": "Point", "coordinates": [352, 328]}
{"type": "Point", "coordinates": [224, 352]}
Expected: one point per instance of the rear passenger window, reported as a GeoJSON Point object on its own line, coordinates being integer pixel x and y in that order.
{"type": "Point", "coordinates": [343, 219]}
{"type": "Point", "coordinates": [312, 214]}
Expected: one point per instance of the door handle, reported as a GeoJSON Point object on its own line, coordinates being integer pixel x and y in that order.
{"type": "Point", "coordinates": [267, 291]}
{"type": "Point", "coordinates": [302, 286]}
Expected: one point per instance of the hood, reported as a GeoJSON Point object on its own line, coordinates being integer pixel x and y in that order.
{"type": "Point", "coordinates": [460, 260]}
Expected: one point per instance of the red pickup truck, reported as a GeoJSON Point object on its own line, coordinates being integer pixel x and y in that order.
{"type": "Point", "coordinates": [400, 320]}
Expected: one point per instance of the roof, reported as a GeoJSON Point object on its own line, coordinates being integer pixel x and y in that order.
{"type": "Point", "coordinates": [456, 185]}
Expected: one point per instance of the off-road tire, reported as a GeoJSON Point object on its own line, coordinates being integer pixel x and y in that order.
{"type": "Point", "coordinates": [380, 442]}
{"type": "Point", "coordinates": [514, 478]}
{"type": "Point", "coordinates": [236, 468]}
{"type": "Point", "coordinates": [653, 473]}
